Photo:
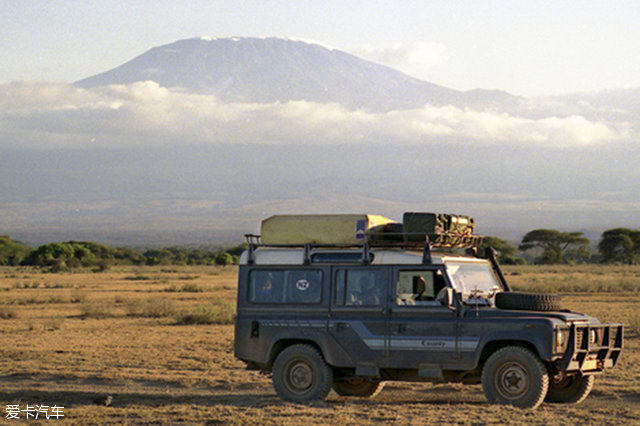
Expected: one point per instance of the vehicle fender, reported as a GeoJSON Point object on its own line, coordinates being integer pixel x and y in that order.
{"type": "Point", "coordinates": [330, 350]}
{"type": "Point", "coordinates": [536, 338]}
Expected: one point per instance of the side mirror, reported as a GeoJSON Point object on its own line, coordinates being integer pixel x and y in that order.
{"type": "Point", "coordinates": [445, 296]}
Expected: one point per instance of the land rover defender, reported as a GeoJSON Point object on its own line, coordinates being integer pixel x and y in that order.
{"type": "Point", "coordinates": [396, 302]}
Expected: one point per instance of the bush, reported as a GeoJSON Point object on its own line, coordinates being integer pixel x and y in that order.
{"type": "Point", "coordinates": [192, 288]}
{"type": "Point", "coordinates": [217, 313]}
{"type": "Point", "coordinates": [138, 277]}
{"type": "Point", "coordinates": [7, 312]}
{"type": "Point", "coordinates": [156, 307]}
{"type": "Point", "coordinates": [94, 310]}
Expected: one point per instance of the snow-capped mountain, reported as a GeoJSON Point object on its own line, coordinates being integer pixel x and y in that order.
{"type": "Point", "coordinates": [276, 69]}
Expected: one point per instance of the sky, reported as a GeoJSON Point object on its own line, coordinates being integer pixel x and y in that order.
{"type": "Point", "coordinates": [523, 47]}
{"type": "Point", "coordinates": [564, 155]}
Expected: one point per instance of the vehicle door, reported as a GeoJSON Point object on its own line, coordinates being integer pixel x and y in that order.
{"type": "Point", "coordinates": [423, 332]}
{"type": "Point", "coordinates": [358, 320]}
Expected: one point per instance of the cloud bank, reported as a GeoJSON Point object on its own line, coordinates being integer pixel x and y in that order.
{"type": "Point", "coordinates": [57, 115]}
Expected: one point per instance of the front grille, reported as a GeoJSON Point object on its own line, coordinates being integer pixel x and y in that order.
{"type": "Point", "coordinates": [580, 332]}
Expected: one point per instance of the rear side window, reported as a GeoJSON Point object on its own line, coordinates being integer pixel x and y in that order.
{"type": "Point", "coordinates": [285, 286]}
{"type": "Point", "coordinates": [359, 287]}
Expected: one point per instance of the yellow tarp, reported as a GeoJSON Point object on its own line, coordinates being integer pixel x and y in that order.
{"type": "Point", "coordinates": [319, 228]}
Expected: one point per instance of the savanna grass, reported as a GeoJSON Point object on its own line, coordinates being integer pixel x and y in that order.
{"type": "Point", "coordinates": [574, 279]}
{"type": "Point", "coordinates": [634, 325]}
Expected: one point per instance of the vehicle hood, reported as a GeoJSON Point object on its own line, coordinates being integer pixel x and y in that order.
{"type": "Point", "coordinates": [566, 316]}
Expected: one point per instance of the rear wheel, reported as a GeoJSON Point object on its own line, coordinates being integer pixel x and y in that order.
{"type": "Point", "coordinates": [570, 389]}
{"type": "Point", "coordinates": [300, 374]}
{"type": "Point", "coordinates": [515, 376]}
{"type": "Point", "coordinates": [358, 387]}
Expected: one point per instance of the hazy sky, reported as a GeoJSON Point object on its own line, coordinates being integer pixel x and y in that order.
{"type": "Point", "coordinates": [524, 47]}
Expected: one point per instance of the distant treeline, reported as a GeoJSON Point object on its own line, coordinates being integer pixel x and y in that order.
{"type": "Point", "coordinates": [72, 254]}
{"type": "Point", "coordinates": [540, 246]}
{"type": "Point", "coordinates": [550, 247]}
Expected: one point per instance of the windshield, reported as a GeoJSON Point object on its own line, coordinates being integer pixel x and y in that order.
{"type": "Point", "coordinates": [474, 280]}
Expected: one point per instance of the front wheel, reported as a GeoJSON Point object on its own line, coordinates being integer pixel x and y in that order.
{"type": "Point", "coordinates": [300, 374]}
{"type": "Point", "coordinates": [515, 376]}
{"type": "Point", "coordinates": [358, 387]}
{"type": "Point", "coordinates": [570, 389]}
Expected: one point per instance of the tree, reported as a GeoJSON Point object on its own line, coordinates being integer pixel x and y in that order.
{"type": "Point", "coordinates": [158, 257]}
{"type": "Point", "coordinates": [553, 243]}
{"type": "Point", "coordinates": [505, 250]}
{"type": "Point", "coordinates": [12, 252]}
{"type": "Point", "coordinates": [224, 259]}
{"type": "Point", "coordinates": [620, 245]}
{"type": "Point", "coordinates": [237, 250]}
{"type": "Point", "coordinates": [62, 256]}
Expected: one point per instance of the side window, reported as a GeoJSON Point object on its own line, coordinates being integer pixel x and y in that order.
{"type": "Point", "coordinates": [359, 287]}
{"type": "Point", "coordinates": [266, 286]}
{"type": "Point", "coordinates": [419, 287]}
{"type": "Point", "coordinates": [303, 286]}
{"type": "Point", "coordinates": [289, 286]}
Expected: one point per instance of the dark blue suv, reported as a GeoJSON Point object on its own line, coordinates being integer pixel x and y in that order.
{"type": "Point", "coordinates": [323, 317]}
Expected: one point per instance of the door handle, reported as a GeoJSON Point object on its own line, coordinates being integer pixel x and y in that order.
{"type": "Point", "coordinates": [341, 326]}
{"type": "Point", "coordinates": [402, 328]}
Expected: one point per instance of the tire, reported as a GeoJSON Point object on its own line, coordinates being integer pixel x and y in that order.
{"type": "Point", "coordinates": [301, 375]}
{"type": "Point", "coordinates": [358, 387]}
{"type": "Point", "coordinates": [528, 301]}
{"type": "Point", "coordinates": [570, 390]}
{"type": "Point", "coordinates": [515, 376]}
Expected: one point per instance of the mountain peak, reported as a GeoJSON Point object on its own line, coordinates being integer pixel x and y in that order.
{"type": "Point", "coordinates": [271, 69]}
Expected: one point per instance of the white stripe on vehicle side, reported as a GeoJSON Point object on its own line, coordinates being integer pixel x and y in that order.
{"type": "Point", "coordinates": [434, 343]}
{"type": "Point", "coordinates": [292, 323]}
{"type": "Point", "coordinates": [375, 344]}
{"type": "Point", "coordinates": [424, 344]}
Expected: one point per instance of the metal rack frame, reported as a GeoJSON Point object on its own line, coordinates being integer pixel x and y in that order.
{"type": "Point", "coordinates": [441, 240]}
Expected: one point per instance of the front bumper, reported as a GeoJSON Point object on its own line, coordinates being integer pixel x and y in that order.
{"type": "Point", "coordinates": [592, 348]}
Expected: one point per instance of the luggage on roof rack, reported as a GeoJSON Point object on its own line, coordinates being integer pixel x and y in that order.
{"type": "Point", "coordinates": [439, 229]}
{"type": "Point", "coordinates": [303, 229]}
{"type": "Point", "coordinates": [443, 229]}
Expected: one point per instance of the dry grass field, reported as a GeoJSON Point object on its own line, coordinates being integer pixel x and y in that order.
{"type": "Point", "coordinates": [158, 342]}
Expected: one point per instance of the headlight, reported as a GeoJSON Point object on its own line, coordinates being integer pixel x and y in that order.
{"type": "Point", "coordinates": [593, 337]}
{"type": "Point", "coordinates": [562, 339]}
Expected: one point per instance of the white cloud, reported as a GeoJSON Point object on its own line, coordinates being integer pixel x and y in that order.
{"type": "Point", "coordinates": [58, 115]}
{"type": "Point", "coordinates": [415, 59]}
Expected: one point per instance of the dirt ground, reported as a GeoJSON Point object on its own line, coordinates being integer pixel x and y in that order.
{"type": "Point", "coordinates": [73, 340]}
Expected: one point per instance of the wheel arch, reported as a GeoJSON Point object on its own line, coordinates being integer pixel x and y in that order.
{"type": "Point", "coordinates": [493, 346]}
{"type": "Point", "coordinates": [284, 343]}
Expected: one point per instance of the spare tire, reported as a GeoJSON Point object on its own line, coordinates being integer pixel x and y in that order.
{"type": "Point", "coordinates": [528, 301]}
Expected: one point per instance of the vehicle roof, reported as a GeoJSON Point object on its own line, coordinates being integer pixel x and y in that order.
{"type": "Point", "coordinates": [293, 256]}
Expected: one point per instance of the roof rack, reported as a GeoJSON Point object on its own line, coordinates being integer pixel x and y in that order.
{"type": "Point", "coordinates": [406, 241]}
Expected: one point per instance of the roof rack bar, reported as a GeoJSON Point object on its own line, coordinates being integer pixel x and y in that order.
{"type": "Point", "coordinates": [253, 241]}
{"type": "Point", "coordinates": [365, 254]}
{"type": "Point", "coordinates": [491, 255]}
{"type": "Point", "coordinates": [426, 252]}
{"type": "Point", "coordinates": [307, 254]}
{"type": "Point", "coordinates": [442, 240]}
